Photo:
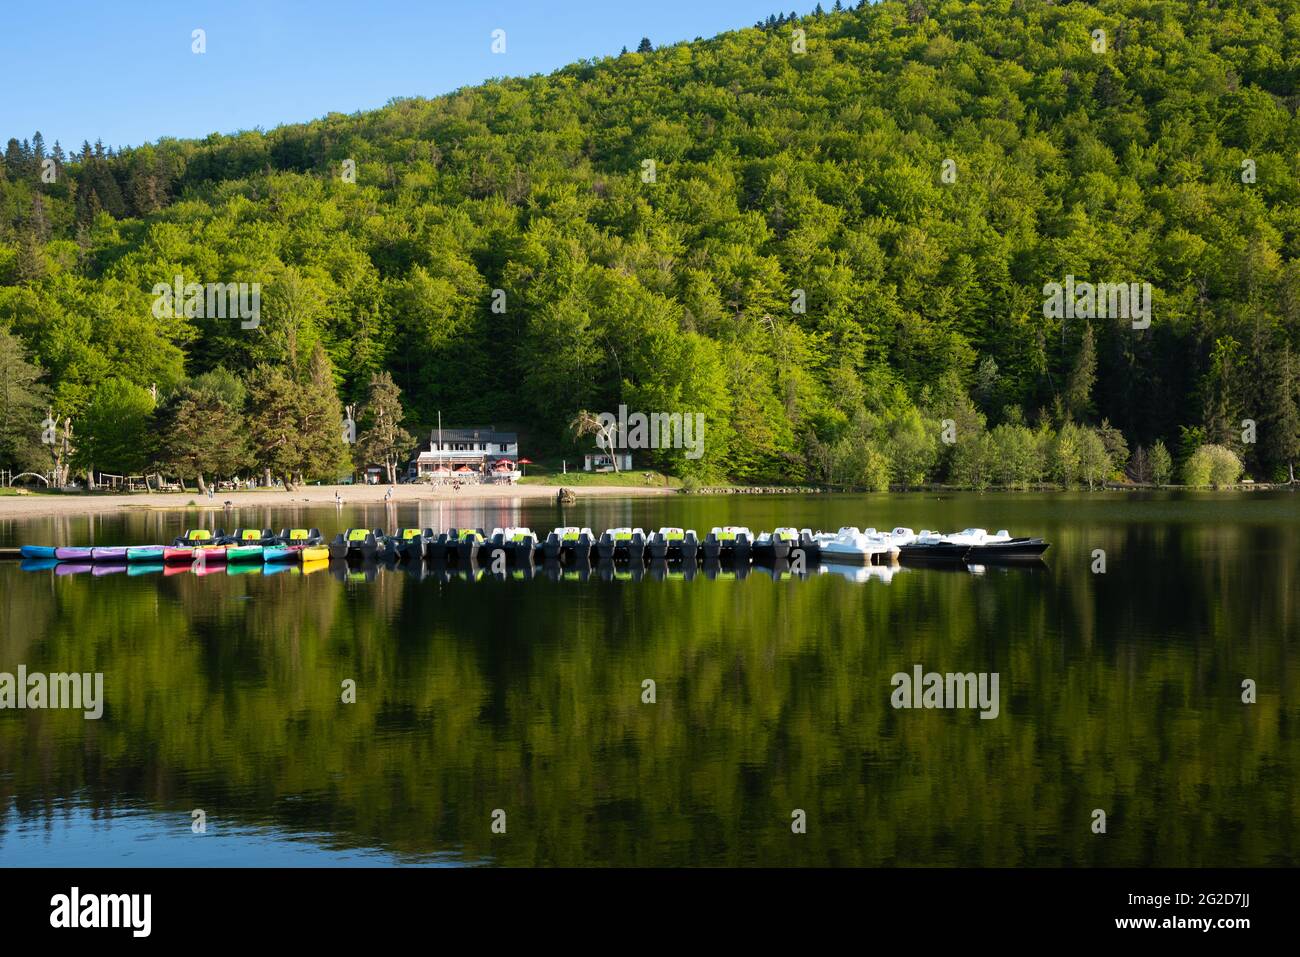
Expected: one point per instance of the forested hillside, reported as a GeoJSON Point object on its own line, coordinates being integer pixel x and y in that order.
{"type": "Point", "coordinates": [911, 174]}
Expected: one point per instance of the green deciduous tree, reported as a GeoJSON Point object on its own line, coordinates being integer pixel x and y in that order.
{"type": "Point", "coordinates": [114, 431]}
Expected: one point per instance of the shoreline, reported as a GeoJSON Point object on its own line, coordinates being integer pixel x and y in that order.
{"type": "Point", "coordinates": [40, 504]}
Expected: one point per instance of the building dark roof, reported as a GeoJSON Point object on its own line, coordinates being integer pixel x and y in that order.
{"type": "Point", "coordinates": [489, 434]}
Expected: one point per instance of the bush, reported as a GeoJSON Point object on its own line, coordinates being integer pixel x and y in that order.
{"type": "Point", "coordinates": [1212, 465]}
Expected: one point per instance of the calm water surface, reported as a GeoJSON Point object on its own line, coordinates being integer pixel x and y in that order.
{"type": "Point", "coordinates": [1120, 691]}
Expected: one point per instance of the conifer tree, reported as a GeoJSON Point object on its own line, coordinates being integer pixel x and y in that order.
{"type": "Point", "coordinates": [1078, 390]}
{"type": "Point", "coordinates": [382, 438]}
{"type": "Point", "coordinates": [324, 453]}
{"type": "Point", "coordinates": [22, 406]}
{"type": "Point", "coordinates": [274, 423]}
{"type": "Point", "coordinates": [1280, 418]}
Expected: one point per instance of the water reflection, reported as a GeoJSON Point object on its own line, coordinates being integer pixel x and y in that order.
{"type": "Point", "coordinates": [550, 570]}
{"type": "Point", "coordinates": [1120, 690]}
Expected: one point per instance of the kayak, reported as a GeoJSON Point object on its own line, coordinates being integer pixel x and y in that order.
{"type": "Point", "coordinates": [244, 553]}
{"type": "Point", "coordinates": [38, 551]}
{"type": "Point", "coordinates": [284, 553]}
{"type": "Point", "coordinates": [145, 553]}
{"type": "Point", "coordinates": [296, 553]}
{"type": "Point", "coordinates": [114, 553]}
{"type": "Point", "coordinates": [73, 554]}
{"type": "Point", "coordinates": [209, 554]}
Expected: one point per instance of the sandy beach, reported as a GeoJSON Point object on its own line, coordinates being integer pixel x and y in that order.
{"type": "Point", "coordinates": [39, 504]}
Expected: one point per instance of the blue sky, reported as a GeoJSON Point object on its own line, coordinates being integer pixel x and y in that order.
{"type": "Point", "coordinates": [124, 71]}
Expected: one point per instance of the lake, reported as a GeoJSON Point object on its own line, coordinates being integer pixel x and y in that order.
{"type": "Point", "coordinates": [520, 702]}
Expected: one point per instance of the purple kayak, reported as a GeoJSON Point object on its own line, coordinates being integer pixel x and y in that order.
{"type": "Point", "coordinates": [64, 554]}
{"type": "Point", "coordinates": [109, 554]}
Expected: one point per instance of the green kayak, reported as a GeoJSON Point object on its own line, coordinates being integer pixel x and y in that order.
{"type": "Point", "coordinates": [243, 553]}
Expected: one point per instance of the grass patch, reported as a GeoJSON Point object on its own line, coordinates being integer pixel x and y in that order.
{"type": "Point", "coordinates": [637, 478]}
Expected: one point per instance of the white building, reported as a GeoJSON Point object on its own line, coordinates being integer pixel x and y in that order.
{"type": "Point", "coordinates": [604, 462]}
{"type": "Point", "coordinates": [482, 454]}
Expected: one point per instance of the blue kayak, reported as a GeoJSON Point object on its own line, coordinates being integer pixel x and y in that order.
{"type": "Point", "coordinates": [37, 551]}
{"type": "Point", "coordinates": [38, 564]}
